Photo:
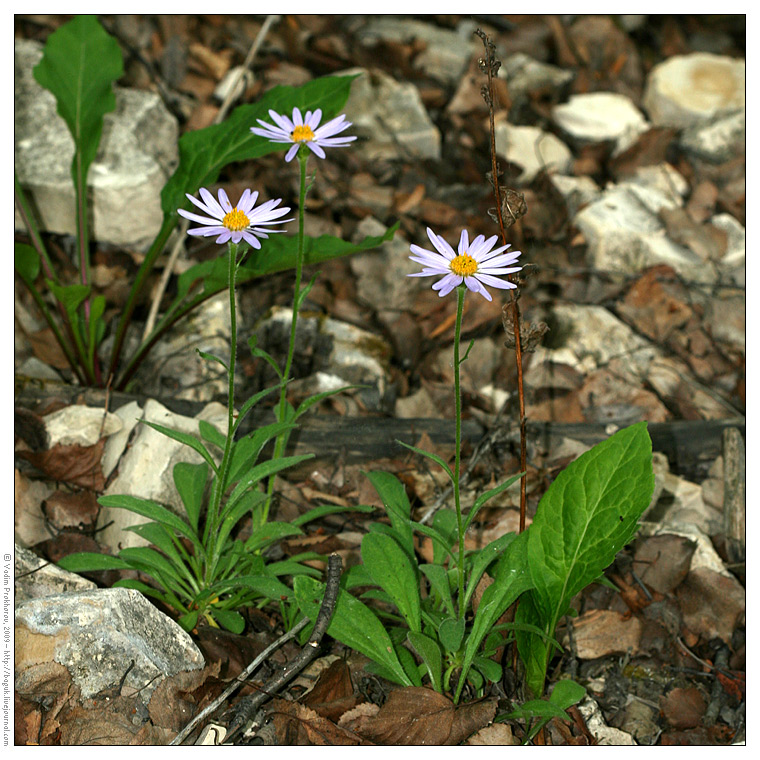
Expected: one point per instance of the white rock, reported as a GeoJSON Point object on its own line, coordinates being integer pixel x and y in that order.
{"type": "Point", "coordinates": [720, 139]}
{"type": "Point", "coordinates": [686, 89]}
{"type": "Point", "coordinates": [577, 191]}
{"type": "Point", "coordinates": [129, 414]}
{"type": "Point", "coordinates": [725, 314]}
{"type": "Point", "coordinates": [96, 634]}
{"type": "Point", "coordinates": [732, 267]}
{"type": "Point", "coordinates": [80, 425]}
{"type": "Point", "coordinates": [146, 470]}
{"type": "Point", "coordinates": [138, 152]}
{"type": "Point", "coordinates": [532, 149]}
{"type": "Point", "coordinates": [601, 117]}
{"type": "Point", "coordinates": [33, 367]}
{"type": "Point", "coordinates": [605, 735]}
{"type": "Point", "coordinates": [36, 578]}
{"type": "Point", "coordinates": [625, 235]}
{"type": "Point", "coordinates": [387, 114]}
{"type": "Point", "coordinates": [447, 52]}
{"type": "Point", "coordinates": [525, 75]}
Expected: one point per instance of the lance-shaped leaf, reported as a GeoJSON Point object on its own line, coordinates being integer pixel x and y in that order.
{"type": "Point", "coordinates": [79, 66]}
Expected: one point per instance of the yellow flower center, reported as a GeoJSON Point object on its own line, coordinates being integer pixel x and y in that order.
{"type": "Point", "coordinates": [302, 133]}
{"type": "Point", "coordinates": [464, 265]}
{"type": "Point", "coordinates": [235, 220]}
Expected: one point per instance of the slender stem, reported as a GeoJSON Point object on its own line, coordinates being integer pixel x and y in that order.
{"type": "Point", "coordinates": [458, 444]}
{"type": "Point", "coordinates": [303, 157]}
{"type": "Point", "coordinates": [213, 515]}
{"type": "Point", "coordinates": [28, 217]}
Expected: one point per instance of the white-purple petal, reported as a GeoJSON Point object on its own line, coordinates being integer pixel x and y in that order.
{"type": "Point", "coordinates": [313, 121]}
{"type": "Point", "coordinates": [441, 245]}
{"type": "Point", "coordinates": [282, 121]}
{"type": "Point", "coordinates": [224, 201]}
{"type": "Point", "coordinates": [292, 152]}
{"type": "Point", "coordinates": [197, 217]}
{"type": "Point", "coordinates": [297, 118]}
{"type": "Point", "coordinates": [212, 203]}
{"type": "Point", "coordinates": [463, 242]}
{"type": "Point", "coordinates": [494, 282]}
{"type": "Point", "coordinates": [475, 286]}
{"type": "Point", "coordinates": [316, 149]}
{"type": "Point", "coordinates": [252, 240]}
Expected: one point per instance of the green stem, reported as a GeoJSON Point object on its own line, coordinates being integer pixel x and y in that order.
{"type": "Point", "coordinates": [458, 445]}
{"type": "Point", "coordinates": [213, 516]}
{"type": "Point", "coordinates": [303, 157]}
{"type": "Point", "coordinates": [34, 233]}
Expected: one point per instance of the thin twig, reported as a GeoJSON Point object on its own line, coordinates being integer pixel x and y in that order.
{"type": "Point", "coordinates": [249, 706]}
{"type": "Point", "coordinates": [184, 224]}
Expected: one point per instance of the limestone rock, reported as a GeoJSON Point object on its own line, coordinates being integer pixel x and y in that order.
{"type": "Point", "coordinates": [532, 149]}
{"type": "Point", "coordinates": [80, 425]}
{"type": "Point", "coordinates": [732, 266]}
{"type": "Point", "coordinates": [137, 153]}
{"type": "Point", "coordinates": [387, 114]}
{"type": "Point", "coordinates": [96, 634]}
{"type": "Point", "coordinates": [36, 578]}
{"type": "Point", "coordinates": [446, 54]}
{"type": "Point", "coordinates": [718, 140]}
{"type": "Point", "coordinates": [527, 76]}
{"type": "Point", "coordinates": [577, 191]}
{"type": "Point", "coordinates": [596, 117]}
{"type": "Point", "coordinates": [686, 89]}
{"type": "Point", "coordinates": [146, 470]}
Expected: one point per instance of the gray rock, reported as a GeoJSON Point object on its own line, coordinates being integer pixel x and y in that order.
{"type": "Point", "coordinates": [597, 117]}
{"type": "Point", "coordinates": [732, 266]}
{"type": "Point", "coordinates": [80, 425]}
{"type": "Point", "coordinates": [390, 118]}
{"type": "Point", "coordinates": [526, 75]}
{"type": "Point", "coordinates": [717, 140]}
{"type": "Point", "coordinates": [686, 89]}
{"type": "Point", "coordinates": [35, 578]}
{"type": "Point", "coordinates": [33, 367]}
{"type": "Point", "coordinates": [577, 191]}
{"type": "Point", "coordinates": [681, 501]}
{"type": "Point", "coordinates": [532, 149]}
{"type": "Point", "coordinates": [725, 315]}
{"type": "Point", "coordinates": [605, 735]}
{"type": "Point", "coordinates": [137, 153]}
{"type": "Point", "coordinates": [446, 52]}
{"type": "Point", "coordinates": [146, 470]}
{"type": "Point", "coordinates": [96, 634]}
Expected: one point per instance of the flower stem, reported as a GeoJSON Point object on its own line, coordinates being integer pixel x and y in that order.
{"type": "Point", "coordinates": [279, 446]}
{"type": "Point", "coordinates": [210, 532]}
{"type": "Point", "coordinates": [458, 445]}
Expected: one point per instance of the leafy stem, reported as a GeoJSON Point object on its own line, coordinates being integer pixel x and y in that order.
{"type": "Point", "coordinates": [457, 445]}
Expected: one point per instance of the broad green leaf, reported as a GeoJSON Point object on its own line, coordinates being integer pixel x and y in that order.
{"type": "Point", "coordinates": [247, 450]}
{"type": "Point", "coordinates": [330, 509]}
{"type": "Point", "coordinates": [187, 439]}
{"type": "Point", "coordinates": [392, 570]}
{"type": "Point", "coordinates": [232, 621]}
{"type": "Point", "coordinates": [87, 562]}
{"type": "Point", "coordinates": [204, 152]}
{"type": "Point", "coordinates": [159, 536]}
{"type": "Point", "coordinates": [586, 517]}
{"type": "Point", "coordinates": [26, 260]}
{"type": "Point", "coordinates": [451, 633]}
{"type": "Point", "coordinates": [430, 653]}
{"type": "Point", "coordinates": [230, 517]}
{"type": "Point", "coordinates": [353, 624]}
{"type": "Point", "coordinates": [70, 296]}
{"type": "Point", "coordinates": [490, 669]}
{"type": "Point", "coordinates": [408, 663]}
{"type": "Point", "coordinates": [567, 693]}
{"type": "Point", "coordinates": [79, 66]}
{"type": "Point", "coordinates": [445, 525]}
{"type": "Point", "coordinates": [534, 650]}
{"type": "Point", "coordinates": [157, 565]}
{"type": "Point", "coordinates": [212, 434]}
{"type": "Point", "coordinates": [483, 498]}
{"type": "Point", "coordinates": [535, 708]}
{"type": "Point", "coordinates": [190, 481]}
{"type": "Point", "coordinates": [188, 620]}
{"type": "Point", "coordinates": [263, 585]}
{"type": "Point", "coordinates": [511, 579]}
{"type": "Point", "coordinates": [393, 495]}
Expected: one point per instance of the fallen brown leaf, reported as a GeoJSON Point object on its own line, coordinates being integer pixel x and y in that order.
{"type": "Point", "coordinates": [75, 465]}
{"type": "Point", "coordinates": [683, 708]}
{"type": "Point", "coordinates": [333, 693]}
{"type": "Point", "coordinates": [71, 510]}
{"type": "Point", "coordinates": [168, 707]}
{"type": "Point", "coordinates": [297, 725]}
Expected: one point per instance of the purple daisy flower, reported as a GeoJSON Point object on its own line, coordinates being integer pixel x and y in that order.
{"type": "Point", "coordinates": [239, 223]}
{"type": "Point", "coordinates": [304, 130]}
{"type": "Point", "coordinates": [475, 264]}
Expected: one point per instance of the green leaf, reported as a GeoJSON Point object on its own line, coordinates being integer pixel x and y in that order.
{"type": "Point", "coordinates": [483, 498]}
{"type": "Point", "coordinates": [434, 457]}
{"type": "Point", "coordinates": [263, 585]}
{"type": "Point", "coordinates": [150, 509]}
{"type": "Point", "coordinates": [204, 152]}
{"type": "Point", "coordinates": [71, 297]}
{"type": "Point", "coordinates": [190, 481]}
{"type": "Point", "coordinates": [97, 325]}
{"type": "Point", "coordinates": [353, 624]}
{"type": "Point", "coordinates": [430, 653]}
{"type": "Point", "coordinates": [145, 558]}
{"type": "Point", "coordinates": [269, 533]}
{"type": "Point", "coordinates": [160, 536]}
{"type": "Point", "coordinates": [88, 562]}
{"type": "Point", "coordinates": [392, 570]}
{"type": "Point", "coordinates": [393, 495]}
{"type": "Point", "coordinates": [187, 439]}
{"type": "Point", "coordinates": [247, 450]}
{"type": "Point", "coordinates": [232, 621]}
{"type": "Point", "coordinates": [567, 693]}
{"type": "Point", "coordinates": [230, 517]}
{"type": "Point", "coordinates": [330, 509]}
{"type": "Point", "coordinates": [79, 66]}
{"type": "Point", "coordinates": [536, 708]}
{"type": "Point", "coordinates": [534, 650]}
{"type": "Point", "coordinates": [250, 403]}
{"type": "Point", "coordinates": [439, 581]}
{"type": "Point", "coordinates": [143, 588]}
{"type": "Point", "coordinates": [490, 669]}
{"type": "Point", "coordinates": [188, 620]}
{"type": "Point", "coordinates": [511, 579]}
{"type": "Point", "coordinates": [264, 470]}
{"type": "Point", "coordinates": [482, 559]}
{"type": "Point", "coordinates": [445, 526]}
{"type": "Point", "coordinates": [26, 260]}
{"type": "Point", "coordinates": [451, 633]}
{"type": "Point", "coordinates": [586, 517]}
{"type": "Point", "coordinates": [211, 358]}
